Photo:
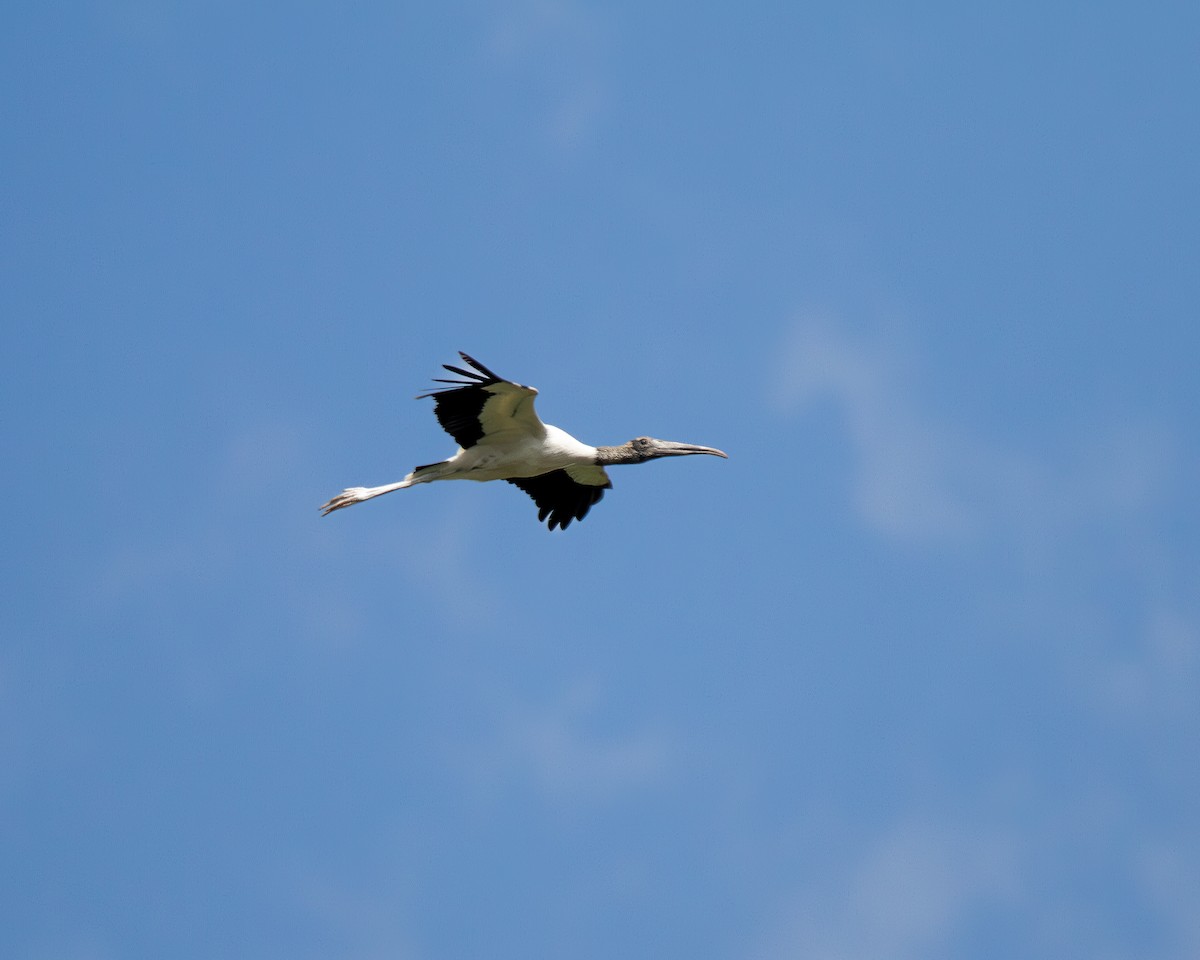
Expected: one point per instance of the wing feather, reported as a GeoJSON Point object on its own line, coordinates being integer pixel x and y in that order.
{"type": "Point", "coordinates": [562, 498]}
{"type": "Point", "coordinates": [483, 405]}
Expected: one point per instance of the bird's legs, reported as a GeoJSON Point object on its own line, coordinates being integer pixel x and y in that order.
{"type": "Point", "coordinates": [353, 495]}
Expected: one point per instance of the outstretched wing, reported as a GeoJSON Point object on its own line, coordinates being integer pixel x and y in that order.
{"type": "Point", "coordinates": [483, 405]}
{"type": "Point", "coordinates": [565, 495]}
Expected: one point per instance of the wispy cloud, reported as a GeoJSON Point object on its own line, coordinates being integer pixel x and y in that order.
{"type": "Point", "coordinates": [563, 752]}
{"type": "Point", "coordinates": [927, 475]}
{"type": "Point", "coordinates": [560, 42]}
{"type": "Point", "coordinates": [931, 885]}
{"type": "Point", "coordinates": [903, 484]}
{"type": "Point", "coordinates": [244, 509]}
{"type": "Point", "coordinates": [1157, 678]}
{"type": "Point", "coordinates": [368, 922]}
{"type": "Point", "coordinates": [907, 894]}
{"type": "Point", "coordinates": [1077, 529]}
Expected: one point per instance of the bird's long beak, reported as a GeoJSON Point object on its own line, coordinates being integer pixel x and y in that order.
{"type": "Point", "coordinates": [665, 448]}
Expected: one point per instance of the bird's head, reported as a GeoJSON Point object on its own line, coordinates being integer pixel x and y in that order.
{"type": "Point", "coordinates": [647, 448]}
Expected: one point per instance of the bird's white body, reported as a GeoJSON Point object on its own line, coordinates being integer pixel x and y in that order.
{"type": "Point", "coordinates": [501, 437]}
{"type": "Point", "coordinates": [499, 457]}
{"type": "Point", "coordinates": [515, 444]}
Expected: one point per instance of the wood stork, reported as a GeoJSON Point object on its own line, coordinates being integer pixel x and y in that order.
{"type": "Point", "coordinates": [501, 437]}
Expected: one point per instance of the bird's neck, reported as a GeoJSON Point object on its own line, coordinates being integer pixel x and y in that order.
{"type": "Point", "coordinates": [624, 453]}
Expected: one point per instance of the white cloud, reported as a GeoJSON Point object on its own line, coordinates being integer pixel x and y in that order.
{"type": "Point", "coordinates": [902, 486]}
{"type": "Point", "coordinates": [928, 886]}
{"type": "Point", "coordinates": [245, 509]}
{"type": "Point", "coordinates": [558, 751]}
{"type": "Point", "coordinates": [928, 476]}
{"type": "Point", "coordinates": [907, 895]}
{"type": "Point", "coordinates": [1074, 534]}
{"type": "Point", "coordinates": [561, 43]}
{"type": "Point", "coordinates": [368, 922]}
{"type": "Point", "coordinates": [1156, 680]}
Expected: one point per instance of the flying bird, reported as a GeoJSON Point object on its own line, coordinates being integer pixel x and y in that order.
{"type": "Point", "coordinates": [501, 437]}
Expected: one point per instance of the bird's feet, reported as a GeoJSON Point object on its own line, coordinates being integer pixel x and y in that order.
{"type": "Point", "coordinates": [350, 495]}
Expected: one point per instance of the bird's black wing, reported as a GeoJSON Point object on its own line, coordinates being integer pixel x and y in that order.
{"type": "Point", "coordinates": [483, 403]}
{"type": "Point", "coordinates": [562, 498]}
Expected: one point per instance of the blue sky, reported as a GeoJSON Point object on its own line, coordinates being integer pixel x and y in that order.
{"type": "Point", "coordinates": [913, 674]}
